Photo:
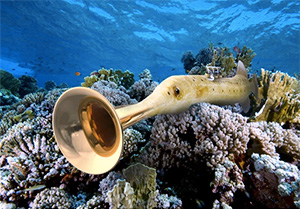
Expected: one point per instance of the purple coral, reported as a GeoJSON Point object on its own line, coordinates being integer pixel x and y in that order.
{"type": "Point", "coordinates": [51, 198]}
{"type": "Point", "coordinates": [115, 94]}
{"type": "Point", "coordinates": [204, 132]}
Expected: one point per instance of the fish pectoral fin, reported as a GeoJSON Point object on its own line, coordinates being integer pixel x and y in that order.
{"type": "Point", "coordinates": [245, 105]}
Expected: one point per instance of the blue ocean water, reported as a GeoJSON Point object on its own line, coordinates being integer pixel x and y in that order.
{"type": "Point", "coordinates": [52, 40]}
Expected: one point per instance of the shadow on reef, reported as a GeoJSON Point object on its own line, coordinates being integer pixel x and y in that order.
{"type": "Point", "coordinates": [190, 185]}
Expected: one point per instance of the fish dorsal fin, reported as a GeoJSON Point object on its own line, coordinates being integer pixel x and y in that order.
{"type": "Point", "coordinates": [241, 70]}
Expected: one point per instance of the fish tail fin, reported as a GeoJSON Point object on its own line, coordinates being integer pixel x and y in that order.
{"type": "Point", "coordinates": [254, 86]}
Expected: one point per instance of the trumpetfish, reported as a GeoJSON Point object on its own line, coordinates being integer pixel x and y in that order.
{"type": "Point", "coordinates": [177, 93]}
{"type": "Point", "coordinates": [95, 131]}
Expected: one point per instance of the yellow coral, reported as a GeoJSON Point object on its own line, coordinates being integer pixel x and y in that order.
{"type": "Point", "coordinates": [246, 56]}
{"type": "Point", "coordinates": [117, 76]}
{"type": "Point", "coordinates": [279, 98]}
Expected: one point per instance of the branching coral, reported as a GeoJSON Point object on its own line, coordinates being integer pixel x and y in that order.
{"type": "Point", "coordinates": [272, 139]}
{"type": "Point", "coordinates": [246, 56]}
{"type": "Point", "coordinates": [33, 98]}
{"type": "Point", "coordinates": [217, 58]}
{"type": "Point", "coordinates": [32, 157]}
{"type": "Point", "coordinates": [228, 179]}
{"type": "Point", "coordinates": [116, 95]}
{"type": "Point", "coordinates": [51, 198]}
{"type": "Point", "coordinates": [205, 130]}
{"type": "Point", "coordinates": [131, 139]}
{"type": "Point", "coordinates": [215, 136]}
{"type": "Point", "coordinates": [143, 87]}
{"type": "Point", "coordinates": [224, 59]}
{"type": "Point", "coordinates": [125, 79]}
{"type": "Point", "coordinates": [279, 98]}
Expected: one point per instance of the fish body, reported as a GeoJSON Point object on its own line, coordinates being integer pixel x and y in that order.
{"type": "Point", "coordinates": [178, 93]}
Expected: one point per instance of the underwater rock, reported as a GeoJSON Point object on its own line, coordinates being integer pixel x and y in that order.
{"type": "Point", "coordinates": [49, 85]}
{"type": "Point", "coordinates": [143, 181]}
{"type": "Point", "coordinates": [274, 183]}
{"type": "Point", "coordinates": [9, 82]}
{"type": "Point", "coordinates": [279, 98]}
{"type": "Point", "coordinates": [28, 85]}
{"type": "Point", "coordinates": [188, 61]}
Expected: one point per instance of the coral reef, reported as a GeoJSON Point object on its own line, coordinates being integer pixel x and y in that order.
{"type": "Point", "coordinates": [279, 98]}
{"type": "Point", "coordinates": [7, 98]}
{"type": "Point", "coordinates": [246, 56]}
{"type": "Point", "coordinates": [32, 158]}
{"type": "Point", "coordinates": [219, 61]}
{"type": "Point", "coordinates": [132, 138]}
{"type": "Point", "coordinates": [272, 139]}
{"type": "Point", "coordinates": [125, 79]}
{"type": "Point", "coordinates": [28, 85]}
{"type": "Point", "coordinates": [49, 85]}
{"type": "Point", "coordinates": [115, 94]}
{"type": "Point", "coordinates": [220, 139]}
{"type": "Point", "coordinates": [221, 158]}
{"type": "Point", "coordinates": [51, 198]}
{"type": "Point", "coordinates": [188, 61]}
{"type": "Point", "coordinates": [9, 82]}
{"type": "Point", "coordinates": [273, 183]}
{"type": "Point", "coordinates": [143, 87]}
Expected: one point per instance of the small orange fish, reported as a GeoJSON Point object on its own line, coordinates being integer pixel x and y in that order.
{"type": "Point", "coordinates": [77, 73]}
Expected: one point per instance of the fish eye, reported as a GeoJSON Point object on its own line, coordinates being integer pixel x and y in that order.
{"type": "Point", "coordinates": [176, 91]}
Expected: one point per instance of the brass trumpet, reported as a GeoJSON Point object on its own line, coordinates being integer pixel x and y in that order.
{"type": "Point", "coordinates": [88, 128]}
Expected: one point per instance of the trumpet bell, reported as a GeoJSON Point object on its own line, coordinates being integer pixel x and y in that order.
{"type": "Point", "coordinates": [87, 130]}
